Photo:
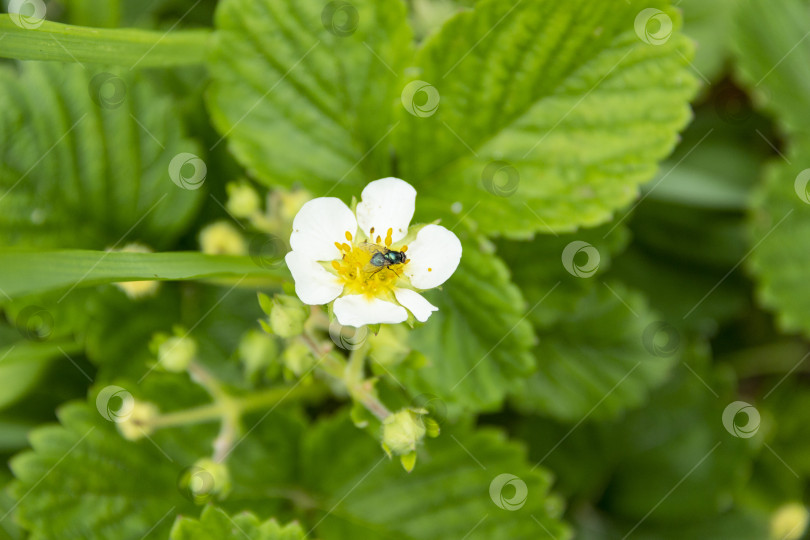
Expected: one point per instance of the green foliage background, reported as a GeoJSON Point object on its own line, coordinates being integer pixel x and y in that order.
{"type": "Point", "coordinates": [677, 159]}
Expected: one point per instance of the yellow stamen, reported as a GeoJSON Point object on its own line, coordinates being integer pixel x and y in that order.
{"type": "Point", "coordinates": [336, 265]}
{"type": "Point", "coordinates": [371, 231]}
{"type": "Point", "coordinates": [347, 248]}
{"type": "Point", "coordinates": [348, 236]}
{"type": "Point", "coordinates": [337, 245]}
{"type": "Point", "coordinates": [379, 240]}
{"type": "Point", "coordinates": [359, 276]}
{"type": "Point", "coordinates": [403, 249]}
{"type": "Point", "coordinates": [388, 238]}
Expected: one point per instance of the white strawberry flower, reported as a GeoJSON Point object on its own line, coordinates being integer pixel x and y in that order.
{"type": "Point", "coordinates": [371, 265]}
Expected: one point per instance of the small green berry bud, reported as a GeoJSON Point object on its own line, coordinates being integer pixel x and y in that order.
{"type": "Point", "coordinates": [789, 522]}
{"type": "Point", "coordinates": [138, 423]}
{"type": "Point", "coordinates": [287, 316]}
{"type": "Point", "coordinates": [243, 201]}
{"type": "Point", "coordinates": [402, 431]}
{"type": "Point", "coordinates": [222, 238]}
{"type": "Point", "coordinates": [176, 353]}
{"type": "Point", "coordinates": [205, 480]}
{"type": "Point", "coordinates": [298, 359]}
{"type": "Point", "coordinates": [257, 351]}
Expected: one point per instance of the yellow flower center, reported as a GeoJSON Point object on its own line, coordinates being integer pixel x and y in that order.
{"type": "Point", "coordinates": [364, 267]}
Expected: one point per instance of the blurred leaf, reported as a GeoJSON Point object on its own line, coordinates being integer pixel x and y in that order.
{"type": "Point", "coordinates": [446, 496]}
{"type": "Point", "coordinates": [304, 91]}
{"type": "Point", "coordinates": [735, 524]}
{"type": "Point", "coordinates": [709, 23]}
{"type": "Point", "coordinates": [781, 229]}
{"type": "Point", "coordinates": [46, 271]}
{"type": "Point", "coordinates": [546, 109]}
{"type": "Point", "coordinates": [85, 160]}
{"type": "Point", "coordinates": [214, 524]}
{"type": "Point", "coordinates": [772, 51]}
{"type": "Point", "coordinates": [23, 364]}
{"type": "Point", "coordinates": [477, 345]}
{"type": "Point", "coordinates": [603, 356]}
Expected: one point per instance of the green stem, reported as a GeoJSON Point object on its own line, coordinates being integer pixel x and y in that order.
{"type": "Point", "coordinates": [131, 48]}
{"type": "Point", "coordinates": [238, 405]}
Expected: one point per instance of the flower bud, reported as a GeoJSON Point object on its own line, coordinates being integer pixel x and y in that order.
{"type": "Point", "coordinates": [403, 430]}
{"type": "Point", "coordinates": [243, 201]}
{"type": "Point", "coordinates": [298, 359]}
{"type": "Point", "coordinates": [205, 480]}
{"type": "Point", "coordinates": [789, 522]}
{"type": "Point", "coordinates": [138, 422]}
{"type": "Point", "coordinates": [287, 315]}
{"type": "Point", "coordinates": [176, 353]}
{"type": "Point", "coordinates": [222, 238]}
{"type": "Point", "coordinates": [257, 351]}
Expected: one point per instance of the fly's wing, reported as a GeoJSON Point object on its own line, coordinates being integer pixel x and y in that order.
{"type": "Point", "coordinates": [372, 250]}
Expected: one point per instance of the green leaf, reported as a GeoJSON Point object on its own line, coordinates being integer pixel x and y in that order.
{"type": "Point", "coordinates": [36, 40]}
{"type": "Point", "coordinates": [563, 99]}
{"type": "Point", "coordinates": [603, 356]}
{"type": "Point", "coordinates": [709, 23]}
{"type": "Point", "coordinates": [85, 160]}
{"type": "Point", "coordinates": [446, 496]}
{"type": "Point", "coordinates": [478, 343]}
{"type": "Point", "coordinates": [23, 364]}
{"type": "Point", "coordinates": [772, 52]}
{"type": "Point", "coordinates": [304, 91]}
{"type": "Point", "coordinates": [781, 227]}
{"type": "Point", "coordinates": [215, 524]}
{"type": "Point", "coordinates": [45, 271]}
{"type": "Point", "coordinates": [83, 480]}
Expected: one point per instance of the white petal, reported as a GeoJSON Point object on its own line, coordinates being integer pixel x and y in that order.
{"type": "Point", "coordinates": [415, 303]}
{"type": "Point", "coordinates": [434, 256]}
{"type": "Point", "coordinates": [358, 310]}
{"type": "Point", "coordinates": [318, 225]}
{"type": "Point", "coordinates": [387, 204]}
{"type": "Point", "coordinates": [313, 284]}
